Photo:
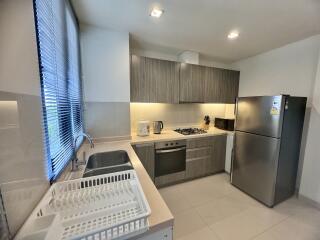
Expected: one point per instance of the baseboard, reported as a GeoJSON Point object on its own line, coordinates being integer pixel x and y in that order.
{"type": "Point", "coordinates": [309, 201]}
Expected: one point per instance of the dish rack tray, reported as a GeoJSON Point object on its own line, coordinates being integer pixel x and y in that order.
{"type": "Point", "coordinates": [110, 206]}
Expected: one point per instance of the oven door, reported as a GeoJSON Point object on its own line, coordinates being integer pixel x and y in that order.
{"type": "Point", "coordinates": [170, 160]}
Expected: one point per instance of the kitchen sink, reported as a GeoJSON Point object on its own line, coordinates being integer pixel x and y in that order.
{"type": "Point", "coordinates": [107, 162]}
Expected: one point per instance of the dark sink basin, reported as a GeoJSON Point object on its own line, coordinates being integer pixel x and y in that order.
{"type": "Point", "coordinates": [107, 162]}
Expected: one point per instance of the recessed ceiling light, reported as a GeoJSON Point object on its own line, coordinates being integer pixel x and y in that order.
{"type": "Point", "coordinates": [233, 35]}
{"type": "Point", "coordinates": [156, 12]}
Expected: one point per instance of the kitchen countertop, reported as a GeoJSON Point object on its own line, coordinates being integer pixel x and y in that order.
{"type": "Point", "coordinates": [168, 135]}
{"type": "Point", "coordinates": [160, 217]}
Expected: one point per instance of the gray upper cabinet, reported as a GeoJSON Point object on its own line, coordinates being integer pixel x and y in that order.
{"type": "Point", "coordinates": [139, 85]}
{"type": "Point", "coordinates": [191, 83]}
{"type": "Point", "coordinates": [154, 80]}
{"type": "Point", "coordinates": [229, 86]}
{"type": "Point", "coordinates": [221, 85]}
{"type": "Point", "coordinates": [161, 81]}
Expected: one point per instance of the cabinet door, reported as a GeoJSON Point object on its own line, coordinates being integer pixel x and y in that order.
{"type": "Point", "coordinates": [218, 156]}
{"type": "Point", "coordinates": [196, 167]}
{"type": "Point", "coordinates": [139, 84]}
{"type": "Point", "coordinates": [221, 85]}
{"type": "Point", "coordinates": [145, 153]}
{"type": "Point", "coordinates": [212, 84]}
{"type": "Point", "coordinates": [229, 86]}
{"type": "Point", "coordinates": [164, 80]}
{"type": "Point", "coordinates": [191, 83]}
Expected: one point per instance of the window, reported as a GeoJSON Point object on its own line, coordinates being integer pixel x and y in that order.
{"type": "Point", "coordinates": [59, 61]}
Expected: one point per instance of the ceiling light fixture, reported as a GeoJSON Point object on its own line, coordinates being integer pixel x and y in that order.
{"type": "Point", "coordinates": [156, 12]}
{"type": "Point", "coordinates": [233, 35]}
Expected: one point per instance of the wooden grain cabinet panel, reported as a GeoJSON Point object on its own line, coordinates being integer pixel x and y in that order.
{"type": "Point", "coordinates": [191, 83]}
{"type": "Point", "coordinates": [199, 142]}
{"type": "Point", "coordinates": [218, 156]}
{"type": "Point", "coordinates": [170, 179]}
{"type": "Point", "coordinates": [196, 167]}
{"type": "Point", "coordinates": [164, 80]}
{"type": "Point", "coordinates": [139, 85]}
{"type": "Point", "coordinates": [154, 80]}
{"type": "Point", "coordinates": [146, 155]}
{"type": "Point", "coordinates": [199, 152]}
{"type": "Point", "coordinates": [229, 85]}
{"type": "Point", "coordinates": [221, 85]}
{"type": "Point", "coordinates": [205, 155]}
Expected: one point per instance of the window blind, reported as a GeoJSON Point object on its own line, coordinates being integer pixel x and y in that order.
{"type": "Point", "coordinates": [58, 50]}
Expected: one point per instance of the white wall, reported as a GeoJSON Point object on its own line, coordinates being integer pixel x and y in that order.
{"type": "Point", "coordinates": [105, 65]}
{"type": "Point", "coordinates": [310, 181]}
{"type": "Point", "coordinates": [106, 82]}
{"type": "Point", "coordinates": [18, 49]}
{"type": "Point", "coordinates": [23, 179]}
{"type": "Point", "coordinates": [290, 69]}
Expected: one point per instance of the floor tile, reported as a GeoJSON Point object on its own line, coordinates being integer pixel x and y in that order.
{"type": "Point", "coordinates": [247, 224]}
{"type": "Point", "coordinates": [245, 198]}
{"type": "Point", "coordinates": [175, 201]}
{"type": "Point", "coordinates": [291, 229]}
{"type": "Point", "coordinates": [201, 234]}
{"type": "Point", "coordinates": [187, 222]}
{"type": "Point", "coordinates": [211, 208]}
{"type": "Point", "coordinates": [220, 209]}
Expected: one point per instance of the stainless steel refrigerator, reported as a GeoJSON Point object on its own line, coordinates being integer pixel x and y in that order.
{"type": "Point", "coordinates": [267, 142]}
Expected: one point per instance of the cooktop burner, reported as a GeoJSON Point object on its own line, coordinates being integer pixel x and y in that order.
{"type": "Point", "coordinates": [190, 131]}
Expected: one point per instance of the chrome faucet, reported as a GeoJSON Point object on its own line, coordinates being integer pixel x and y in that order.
{"type": "Point", "coordinates": [75, 163]}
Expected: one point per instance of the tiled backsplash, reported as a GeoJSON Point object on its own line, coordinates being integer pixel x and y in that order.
{"type": "Point", "coordinates": [177, 115]}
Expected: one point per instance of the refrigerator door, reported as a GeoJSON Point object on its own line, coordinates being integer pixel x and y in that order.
{"type": "Point", "coordinates": [260, 115]}
{"type": "Point", "coordinates": [254, 166]}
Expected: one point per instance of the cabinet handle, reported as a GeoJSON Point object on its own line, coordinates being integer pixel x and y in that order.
{"type": "Point", "coordinates": [171, 150]}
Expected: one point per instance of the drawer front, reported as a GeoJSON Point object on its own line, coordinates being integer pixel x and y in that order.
{"type": "Point", "coordinates": [169, 179]}
{"type": "Point", "coordinates": [199, 152]}
{"type": "Point", "coordinates": [196, 167]}
{"type": "Point", "coordinates": [199, 142]}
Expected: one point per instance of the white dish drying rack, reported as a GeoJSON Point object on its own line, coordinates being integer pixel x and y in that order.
{"type": "Point", "coordinates": [110, 206]}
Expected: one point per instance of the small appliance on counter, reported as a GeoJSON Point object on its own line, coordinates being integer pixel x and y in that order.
{"type": "Point", "coordinates": [224, 124]}
{"type": "Point", "coordinates": [157, 127]}
{"type": "Point", "coordinates": [143, 128]}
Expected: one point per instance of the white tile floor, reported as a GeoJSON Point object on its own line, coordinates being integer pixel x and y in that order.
{"type": "Point", "coordinates": [211, 208]}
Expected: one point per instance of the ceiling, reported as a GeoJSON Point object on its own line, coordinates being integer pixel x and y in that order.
{"type": "Point", "coordinates": [203, 25]}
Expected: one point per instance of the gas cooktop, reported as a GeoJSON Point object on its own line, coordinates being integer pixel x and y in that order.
{"type": "Point", "coordinates": [190, 131]}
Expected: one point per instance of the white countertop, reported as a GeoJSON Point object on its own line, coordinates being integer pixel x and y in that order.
{"type": "Point", "coordinates": [169, 135]}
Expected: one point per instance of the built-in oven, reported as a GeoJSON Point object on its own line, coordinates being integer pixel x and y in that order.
{"type": "Point", "coordinates": [170, 157]}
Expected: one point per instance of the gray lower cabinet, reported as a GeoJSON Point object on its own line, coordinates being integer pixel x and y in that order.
{"type": "Point", "coordinates": [146, 155]}
{"type": "Point", "coordinates": [219, 145]}
{"type": "Point", "coordinates": [170, 179]}
{"type": "Point", "coordinates": [205, 156]}
{"type": "Point", "coordinates": [154, 80]}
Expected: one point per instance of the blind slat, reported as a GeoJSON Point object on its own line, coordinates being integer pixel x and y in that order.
{"type": "Point", "coordinates": [58, 44]}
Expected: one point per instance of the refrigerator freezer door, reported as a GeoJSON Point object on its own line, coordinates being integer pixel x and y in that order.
{"type": "Point", "coordinates": [255, 165]}
{"type": "Point", "coordinates": [260, 115]}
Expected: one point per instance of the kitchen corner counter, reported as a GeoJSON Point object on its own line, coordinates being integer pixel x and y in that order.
{"type": "Point", "coordinates": [170, 135]}
{"type": "Point", "coordinates": [160, 217]}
